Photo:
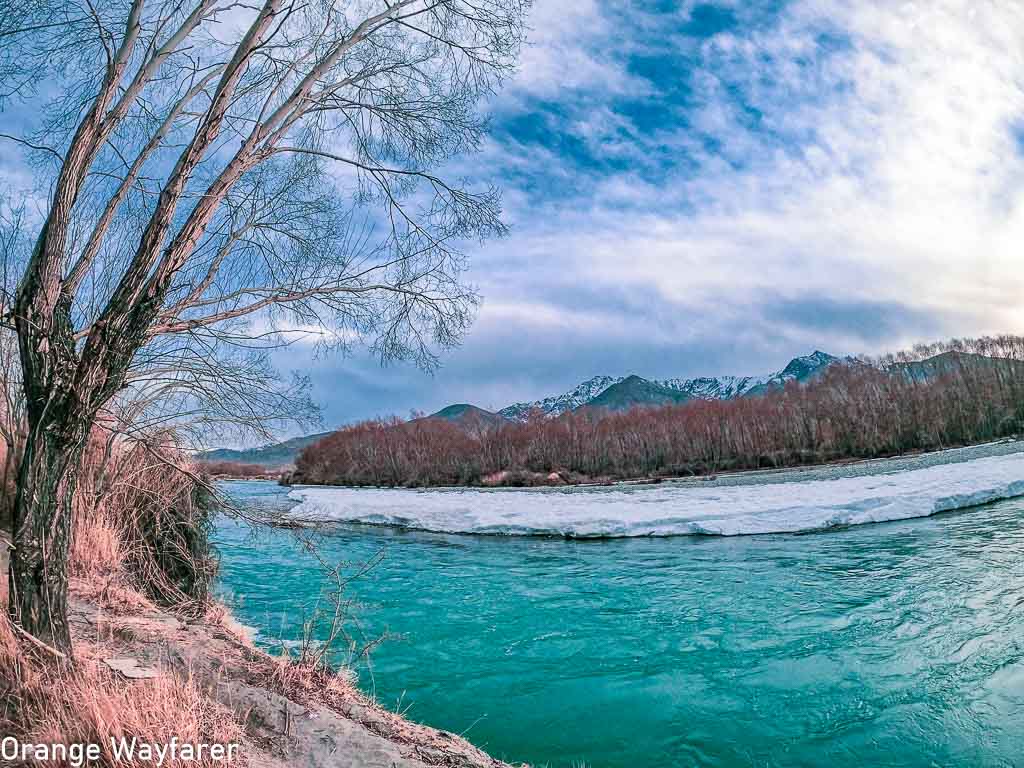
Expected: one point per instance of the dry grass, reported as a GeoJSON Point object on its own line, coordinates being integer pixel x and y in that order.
{"type": "Point", "coordinates": [46, 700]}
{"type": "Point", "coordinates": [97, 550]}
{"type": "Point", "coordinates": [220, 616]}
{"type": "Point", "coordinates": [111, 593]}
{"type": "Point", "coordinates": [304, 681]}
{"type": "Point", "coordinates": [4, 545]}
{"type": "Point", "coordinates": [98, 565]}
{"type": "Point", "coordinates": [140, 524]}
{"type": "Point", "coordinates": [132, 545]}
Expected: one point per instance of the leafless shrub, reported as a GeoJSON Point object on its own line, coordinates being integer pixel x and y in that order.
{"type": "Point", "coordinates": [141, 516]}
{"type": "Point", "coordinates": [331, 644]}
{"type": "Point", "coordinates": [231, 469]}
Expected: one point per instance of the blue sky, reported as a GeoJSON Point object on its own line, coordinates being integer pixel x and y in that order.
{"type": "Point", "coordinates": [702, 188]}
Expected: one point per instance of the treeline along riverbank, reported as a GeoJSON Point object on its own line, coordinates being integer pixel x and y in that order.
{"type": "Point", "coordinates": [953, 393]}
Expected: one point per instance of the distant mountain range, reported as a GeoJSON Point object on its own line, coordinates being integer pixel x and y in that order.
{"type": "Point", "coordinates": [464, 413]}
{"type": "Point", "coordinates": [608, 393]}
{"type": "Point", "coordinates": [274, 455]}
{"type": "Point", "coordinates": [625, 392]}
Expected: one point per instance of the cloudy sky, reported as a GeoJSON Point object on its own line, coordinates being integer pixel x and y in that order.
{"type": "Point", "coordinates": [696, 188]}
{"type": "Point", "coordinates": [702, 188]}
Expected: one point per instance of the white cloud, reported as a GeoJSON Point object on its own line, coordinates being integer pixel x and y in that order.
{"type": "Point", "coordinates": [886, 171]}
{"type": "Point", "coordinates": [568, 49]}
{"type": "Point", "coordinates": [873, 173]}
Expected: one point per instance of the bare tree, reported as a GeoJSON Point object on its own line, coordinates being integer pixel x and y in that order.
{"type": "Point", "coordinates": [221, 172]}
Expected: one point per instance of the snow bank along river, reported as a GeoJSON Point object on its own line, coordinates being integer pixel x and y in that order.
{"type": "Point", "coordinates": [788, 502]}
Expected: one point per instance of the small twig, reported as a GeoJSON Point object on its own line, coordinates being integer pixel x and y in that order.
{"type": "Point", "coordinates": [471, 725]}
{"type": "Point", "coordinates": [37, 642]}
{"type": "Point", "coordinates": [30, 145]}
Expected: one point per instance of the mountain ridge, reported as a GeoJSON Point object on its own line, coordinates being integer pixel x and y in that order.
{"type": "Point", "coordinates": [556, 405]}
{"type": "Point", "coordinates": [633, 392]}
{"type": "Point", "coordinates": [467, 415]}
{"type": "Point", "coordinates": [600, 393]}
{"type": "Point", "coordinates": [798, 369]}
{"type": "Point", "coordinates": [271, 455]}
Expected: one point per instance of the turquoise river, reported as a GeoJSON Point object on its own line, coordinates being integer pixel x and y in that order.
{"type": "Point", "coordinates": [894, 644]}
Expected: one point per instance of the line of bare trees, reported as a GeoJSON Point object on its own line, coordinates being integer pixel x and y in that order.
{"type": "Point", "coordinates": [932, 397]}
{"type": "Point", "coordinates": [232, 469]}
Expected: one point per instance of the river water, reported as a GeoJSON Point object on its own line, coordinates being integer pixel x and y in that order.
{"type": "Point", "coordinates": [894, 644]}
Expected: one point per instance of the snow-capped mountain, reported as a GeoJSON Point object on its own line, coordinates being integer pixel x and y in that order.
{"type": "Point", "coordinates": [716, 387]}
{"type": "Point", "coordinates": [801, 369]}
{"type": "Point", "coordinates": [559, 404]}
{"type": "Point", "coordinates": [603, 391]}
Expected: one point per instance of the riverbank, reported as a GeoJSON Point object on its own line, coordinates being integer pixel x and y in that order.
{"type": "Point", "coordinates": [847, 411]}
{"type": "Point", "coordinates": [139, 662]}
{"type": "Point", "coordinates": [800, 500]}
{"type": "Point", "coordinates": [815, 471]}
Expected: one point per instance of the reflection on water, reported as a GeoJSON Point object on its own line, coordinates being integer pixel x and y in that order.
{"type": "Point", "coordinates": [900, 644]}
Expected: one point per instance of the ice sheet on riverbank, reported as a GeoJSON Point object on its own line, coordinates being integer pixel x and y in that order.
{"type": "Point", "coordinates": [673, 509]}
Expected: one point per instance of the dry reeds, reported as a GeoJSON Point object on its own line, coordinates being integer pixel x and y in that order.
{"type": "Point", "coordinates": [141, 522]}
{"type": "Point", "coordinates": [139, 537]}
{"type": "Point", "coordinates": [46, 701]}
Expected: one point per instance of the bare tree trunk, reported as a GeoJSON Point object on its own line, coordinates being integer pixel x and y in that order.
{"type": "Point", "coordinates": [12, 461]}
{"type": "Point", "coordinates": [42, 528]}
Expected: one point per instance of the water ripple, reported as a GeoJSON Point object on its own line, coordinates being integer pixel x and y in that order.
{"type": "Point", "coordinates": [899, 644]}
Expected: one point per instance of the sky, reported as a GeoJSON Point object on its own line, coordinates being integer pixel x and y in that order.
{"type": "Point", "coordinates": [707, 188]}
{"type": "Point", "coordinates": [701, 188]}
